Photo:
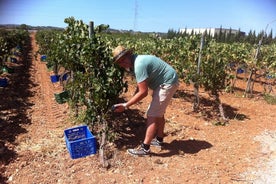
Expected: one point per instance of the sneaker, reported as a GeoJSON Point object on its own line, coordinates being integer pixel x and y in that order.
{"type": "Point", "coordinates": [139, 151]}
{"type": "Point", "coordinates": [156, 143]}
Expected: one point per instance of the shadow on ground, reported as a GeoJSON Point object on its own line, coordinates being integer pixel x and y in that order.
{"type": "Point", "coordinates": [207, 107]}
{"type": "Point", "coordinates": [178, 147]}
{"type": "Point", "coordinates": [131, 129]}
{"type": "Point", "coordinates": [14, 104]}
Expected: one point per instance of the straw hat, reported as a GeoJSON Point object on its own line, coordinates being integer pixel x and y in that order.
{"type": "Point", "coordinates": [119, 52]}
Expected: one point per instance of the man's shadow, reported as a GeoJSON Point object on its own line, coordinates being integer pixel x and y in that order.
{"type": "Point", "coordinates": [131, 127]}
{"type": "Point", "coordinates": [178, 147]}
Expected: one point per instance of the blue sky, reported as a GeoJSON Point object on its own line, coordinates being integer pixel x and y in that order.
{"type": "Point", "coordinates": [144, 15]}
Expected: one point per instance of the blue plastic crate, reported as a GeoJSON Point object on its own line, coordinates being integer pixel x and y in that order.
{"type": "Point", "coordinates": [43, 58]}
{"type": "Point", "coordinates": [64, 77]}
{"type": "Point", "coordinates": [13, 60]}
{"type": "Point", "coordinates": [80, 142]}
{"type": "Point", "coordinates": [240, 70]}
{"type": "Point", "coordinates": [54, 78]}
{"type": "Point", "coordinates": [3, 82]}
{"type": "Point", "coordinates": [269, 76]}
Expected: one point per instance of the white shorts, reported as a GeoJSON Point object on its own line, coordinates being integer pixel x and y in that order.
{"type": "Point", "coordinates": [160, 99]}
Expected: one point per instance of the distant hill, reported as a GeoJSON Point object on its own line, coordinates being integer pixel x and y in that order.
{"type": "Point", "coordinates": [28, 27]}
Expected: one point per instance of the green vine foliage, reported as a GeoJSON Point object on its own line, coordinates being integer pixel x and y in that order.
{"type": "Point", "coordinates": [91, 63]}
{"type": "Point", "coordinates": [214, 77]}
{"type": "Point", "coordinates": [49, 45]}
{"type": "Point", "coordinates": [95, 82]}
{"type": "Point", "coordinates": [11, 40]}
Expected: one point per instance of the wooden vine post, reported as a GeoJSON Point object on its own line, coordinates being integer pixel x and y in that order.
{"type": "Point", "coordinates": [103, 136]}
{"type": "Point", "coordinates": [196, 85]}
{"type": "Point", "coordinates": [91, 29]}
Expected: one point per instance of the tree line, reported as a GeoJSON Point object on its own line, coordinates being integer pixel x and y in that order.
{"type": "Point", "coordinates": [230, 37]}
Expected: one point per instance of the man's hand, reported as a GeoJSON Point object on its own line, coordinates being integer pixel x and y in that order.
{"type": "Point", "coordinates": [119, 107]}
{"type": "Point", "coordinates": [142, 93]}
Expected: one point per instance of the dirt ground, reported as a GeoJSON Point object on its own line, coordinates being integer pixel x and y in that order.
{"type": "Point", "coordinates": [33, 150]}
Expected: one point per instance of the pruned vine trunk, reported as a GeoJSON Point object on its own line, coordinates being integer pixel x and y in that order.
{"type": "Point", "coordinates": [233, 83]}
{"type": "Point", "coordinates": [220, 107]}
{"type": "Point", "coordinates": [249, 84]}
{"type": "Point", "coordinates": [196, 100]}
{"type": "Point", "coordinates": [103, 161]}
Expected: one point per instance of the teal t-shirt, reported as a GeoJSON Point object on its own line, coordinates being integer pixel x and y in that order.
{"type": "Point", "coordinates": [155, 70]}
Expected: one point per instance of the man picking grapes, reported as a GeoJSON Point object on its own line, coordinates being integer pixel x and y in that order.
{"type": "Point", "coordinates": [154, 73]}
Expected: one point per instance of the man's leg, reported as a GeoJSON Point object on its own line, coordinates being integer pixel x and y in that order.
{"type": "Point", "coordinates": [151, 131]}
{"type": "Point", "coordinates": [155, 118]}
{"type": "Point", "coordinates": [160, 100]}
{"type": "Point", "coordinates": [160, 127]}
{"type": "Point", "coordinates": [152, 127]}
{"type": "Point", "coordinates": [155, 132]}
